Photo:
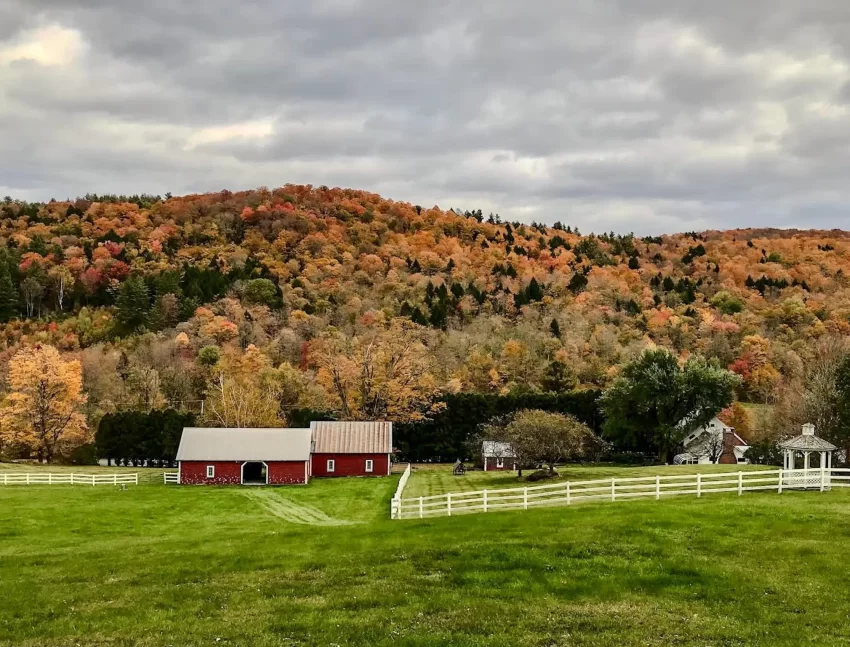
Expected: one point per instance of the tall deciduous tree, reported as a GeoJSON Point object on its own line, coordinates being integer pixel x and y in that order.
{"type": "Point", "coordinates": [42, 410]}
{"type": "Point", "coordinates": [383, 374]}
{"type": "Point", "coordinates": [657, 401]}
{"type": "Point", "coordinates": [543, 437]}
{"type": "Point", "coordinates": [244, 390]}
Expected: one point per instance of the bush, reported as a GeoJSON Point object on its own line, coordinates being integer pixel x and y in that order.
{"type": "Point", "coordinates": [541, 475]}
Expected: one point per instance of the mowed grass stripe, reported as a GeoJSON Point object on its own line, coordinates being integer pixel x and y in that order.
{"type": "Point", "coordinates": [274, 502]}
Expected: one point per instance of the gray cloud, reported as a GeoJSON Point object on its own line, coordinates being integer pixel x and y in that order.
{"type": "Point", "coordinates": [639, 115]}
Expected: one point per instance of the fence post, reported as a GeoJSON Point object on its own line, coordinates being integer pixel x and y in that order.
{"type": "Point", "coordinates": [93, 482]}
{"type": "Point", "coordinates": [485, 500]}
{"type": "Point", "coordinates": [28, 478]}
{"type": "Point", "coordinates": [5, 479]}
{"type": "Point", "coordinates": [421, 508]}
{"type": "Point", "coordinates": [115, 479]}
{"type": "Point", "coordinates": [568, 494]}
{"type": "Point", "coordinates": [740, 483]}
{"type": "Point", "coordinates": [50, 478]}
{"type": "Point", "coordinates": [657, 487]}
{"type": "Point", "coordinates": [449, 503]}
{"type": "Point", "coordinates": [613, 489]}
{"type": "Point", "coordinates": [525, 498]}
{"type": "Point", "coordinates": [779, 487]}
{"type": "Point", "coordinates": [699, 485]}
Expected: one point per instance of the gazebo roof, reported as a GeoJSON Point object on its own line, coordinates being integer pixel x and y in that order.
{"type": "Point", "coordinates": [808, 443]}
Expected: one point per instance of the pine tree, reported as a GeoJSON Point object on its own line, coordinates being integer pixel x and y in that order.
{"type": "Point", "coordinates": [133, 303]}
{"type": "Point", "coordinates": [9, 296]}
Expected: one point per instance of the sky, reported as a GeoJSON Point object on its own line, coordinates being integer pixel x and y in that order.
{"type": "Point", "coordinates": [628, 115]}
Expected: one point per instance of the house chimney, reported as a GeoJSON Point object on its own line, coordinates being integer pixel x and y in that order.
{"type": "Point", "coordinates": [808, 429]}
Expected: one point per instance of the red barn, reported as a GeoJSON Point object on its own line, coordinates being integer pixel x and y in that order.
{"type": "Point", "coordinates": [244, 456]}
{"type": "Point", "coordinates": [351, 448]}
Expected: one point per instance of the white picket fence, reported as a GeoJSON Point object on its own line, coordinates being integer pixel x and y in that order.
{"type": "Point", "coordinates": [616, 489]}
{"type": "Point", "coordinates": [395, 504]}
{"type": "Point", "coordinates": [42, 478]}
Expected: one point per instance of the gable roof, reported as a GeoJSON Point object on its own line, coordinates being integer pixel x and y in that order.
{"type": "Point", "coordinates": [369, 437]}
{"type": "Point", "coordinates": [244, 444]}
{"type": "Point", "coordinates": [495, 449]}
{"type": "Point", "coordinates": [806, 442]}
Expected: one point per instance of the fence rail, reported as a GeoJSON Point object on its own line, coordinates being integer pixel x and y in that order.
{"type": "Point", "coordinates": [49, 478]}
{"type": "Point", "coordinates": [615, 489]}
{"type": "Point", "coordinates": [395, 504]}
{"type": "Point", "coordinates": [170, 477]}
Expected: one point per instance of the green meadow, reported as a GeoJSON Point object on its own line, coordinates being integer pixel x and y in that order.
{"type": "Point", "coordinates": [323, 565]}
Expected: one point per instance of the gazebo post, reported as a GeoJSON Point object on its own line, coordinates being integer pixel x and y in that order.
{"type": "Point", "coordinates": [806, 461]}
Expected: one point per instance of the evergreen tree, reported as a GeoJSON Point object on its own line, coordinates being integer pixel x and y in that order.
{"type": "Point", "coordinates": [133, 303]}
{"type": "Point", "coordinates": [9, 296]}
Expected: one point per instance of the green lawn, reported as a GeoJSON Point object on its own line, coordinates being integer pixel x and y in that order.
{"type": "Point", "coordinates": [322, 565]}
{"type": "Point", "coordinates": [433, 479]}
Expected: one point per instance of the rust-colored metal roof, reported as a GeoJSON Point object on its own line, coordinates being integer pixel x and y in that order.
{"type": "Point", "coordinates": [352, 437]}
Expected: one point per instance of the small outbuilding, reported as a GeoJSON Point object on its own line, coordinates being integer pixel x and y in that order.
{"type": "Point", "coordinates": [244, 456]}
{"type": "Point", "coordinates": [351, 448]}
{"type": "Point", "coordinates": [497, 456]}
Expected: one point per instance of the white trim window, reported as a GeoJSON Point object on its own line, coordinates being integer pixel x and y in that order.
{"type": "Point", "coordinates": [370, 465]}
{"type": "Point", "coordinates": [331, 465]}
{"type": "Point", "coordinates": [500, 462]}
{"type": "Point", "coordinates": [210, 471]}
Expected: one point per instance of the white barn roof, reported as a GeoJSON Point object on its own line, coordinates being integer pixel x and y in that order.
{"type": "Point", "coordinates": [352, 437]}
{"type": "Point", "coordinates": [495, 449]}
{"type": "Point", "coordinates": [244, 444]}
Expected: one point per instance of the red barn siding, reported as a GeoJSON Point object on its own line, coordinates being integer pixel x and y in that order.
{"type": "Point", "coordinates": [350, 464]}
{"type": "Point", "coordinates": [230, 472]}
{"type": "Point", "coordinates": [490, 464]}
{"type": "Point", "coordinates": [226, 473]}
{"type": "Point", "coordinates": [284, 473]}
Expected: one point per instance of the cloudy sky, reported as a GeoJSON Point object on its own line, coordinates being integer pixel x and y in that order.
{"type": "Point", "coordinates": [644, 115]}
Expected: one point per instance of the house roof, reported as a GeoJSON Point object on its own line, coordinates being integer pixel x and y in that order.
{"type": "Point", "coordinates": [352, 437]}
{"type": "Point", "coordinates": [244, 444]}
{"type": "Point", "coordinates": [808, 442]}
{"type": "Point", "coordinates": [495, 449]}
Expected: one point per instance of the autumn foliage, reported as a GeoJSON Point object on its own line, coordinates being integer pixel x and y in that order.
{"type": "Point", "coordinates": [359, 306]}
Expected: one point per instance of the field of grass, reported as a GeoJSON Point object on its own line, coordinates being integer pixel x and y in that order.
{"type": "Point", "coordinates": [432, 479]}
{"type": "Point", "coordinates": [322, 565]}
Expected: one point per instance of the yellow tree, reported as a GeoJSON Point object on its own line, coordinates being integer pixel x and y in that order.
{"type": "Point", "coordinates": [383, 374]}
{"type": "Point", "coordinates": [42, 410]}
{"type": "Point", "coordinates": [244, 390]}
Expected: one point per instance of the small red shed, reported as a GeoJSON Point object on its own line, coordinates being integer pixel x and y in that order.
{"type": "Point", "coordinates": [216, 456]}
{"type": "Point", "coordinates": [351, 448]}
{"type": "Point", "coordinates": [497, 456]}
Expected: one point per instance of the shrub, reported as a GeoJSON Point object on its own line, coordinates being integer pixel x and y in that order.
{"type": "Point", "coordinates": [541, 475]}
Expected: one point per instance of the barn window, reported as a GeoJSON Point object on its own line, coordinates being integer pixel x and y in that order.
{"type": "Point", "coordinates": [210, 471]}
{"type": "Point", "coordinates": [500, 462]}
{"type": "Point", "coordinates": [331, 465]}
{"type": "Point", "coordinates": [370, 465]}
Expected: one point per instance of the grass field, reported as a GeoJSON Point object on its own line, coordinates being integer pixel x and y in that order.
{"type": "Point", "coordinates": [322, 565]}
{"type": "Point", "coordinates": [432, 479]}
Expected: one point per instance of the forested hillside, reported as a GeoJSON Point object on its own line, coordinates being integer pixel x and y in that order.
{"type": "Point", "coordinates": [266, 302]}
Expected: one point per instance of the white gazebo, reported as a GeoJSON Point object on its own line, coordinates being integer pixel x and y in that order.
{"type": "Point", "coordinates": [805, 445]}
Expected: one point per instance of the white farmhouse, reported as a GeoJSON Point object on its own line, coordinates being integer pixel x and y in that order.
{"type": "Point", "coordinates": [714, 442]}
